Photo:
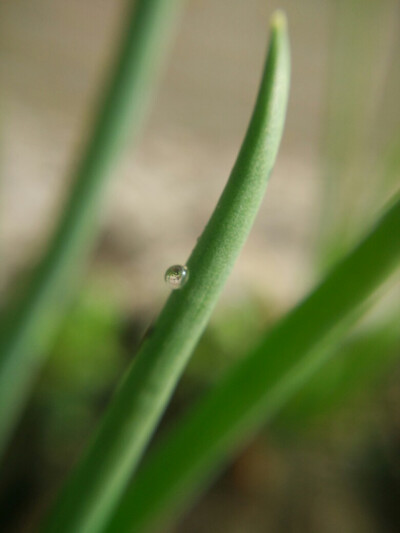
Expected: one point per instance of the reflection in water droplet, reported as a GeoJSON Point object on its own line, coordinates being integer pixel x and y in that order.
{"type": "Point", "coordinates": [176, 276]}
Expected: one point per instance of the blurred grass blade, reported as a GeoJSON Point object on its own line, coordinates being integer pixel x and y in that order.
{"type": "Point", "coordinates": [256, 387]}
{"type": "Point", "coordinates": [356, 69]}
{"type": "Point", "coordinates": [131, 84]}
{"type": "Point", "coordinates": [356, 365]}
{"type": "Point", "coordinates": [100, 479]}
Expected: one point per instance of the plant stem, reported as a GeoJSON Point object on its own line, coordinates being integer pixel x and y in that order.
{"type": "Point", "coordinates": [101, 477]}
{"type": "Point", "coordinates": [257, 386]}
{"type": "Point", "coordinates": [22, 350]}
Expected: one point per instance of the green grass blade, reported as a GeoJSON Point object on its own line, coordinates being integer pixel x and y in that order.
{"type": "Point", "coordinates": [131, 84]}
{"type": "Point", "coordinates": [355, 366]}
{"type": "Point", "coordinates": [257, 386]}
{"type": "Point", "coordinates": [353, 59]}
{"type": "Point", "coordinates": [100, 479]}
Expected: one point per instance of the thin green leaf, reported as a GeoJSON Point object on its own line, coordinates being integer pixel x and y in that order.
{"type": "Point", "coordinates": [100, 479]}
{"type": "Point", "coordinates": [355, 63]}
{"type": "Point", "coordinates": [354, 366]}
{"type": "Point", "coordinates": [149, 26]}
{"type": "Point", "coordinates": [256, 387]}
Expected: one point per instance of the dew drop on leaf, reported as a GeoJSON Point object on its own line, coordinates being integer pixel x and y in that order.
{"type": "Point", "coordinates": [176, 276]}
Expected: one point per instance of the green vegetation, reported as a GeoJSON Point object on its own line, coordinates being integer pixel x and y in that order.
{"type": "Point", "coordinates": [122, 111]}
{"type": "Point", "coordinates": [138, 404]}
{"type": "Point", "coordinates": [256, 387]}
{"type": "Point", "coordinates": [305, 365]}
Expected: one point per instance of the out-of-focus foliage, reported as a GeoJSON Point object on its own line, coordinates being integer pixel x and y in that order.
{"type": "Point", "coordinates": [360, 152]}
{"type": "Point", "coordinates": [359, 169]}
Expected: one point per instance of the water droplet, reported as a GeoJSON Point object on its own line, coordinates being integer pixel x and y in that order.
{"type": "Point", "coordinates": [176, 276]}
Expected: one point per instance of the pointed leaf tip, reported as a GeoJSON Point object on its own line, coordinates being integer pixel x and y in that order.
{"type": "Point", "coordinates": [278, 21]}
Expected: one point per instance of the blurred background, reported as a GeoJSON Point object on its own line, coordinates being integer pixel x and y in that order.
{"type": "Point", "coordinates": [330, 461]}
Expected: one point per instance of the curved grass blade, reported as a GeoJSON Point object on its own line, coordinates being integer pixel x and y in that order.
{"type": "Point", "coordinates": [130, 87]}
{"type": "Point", "coordinates": [256, 387]}
{"type": "Point", "coordinates": [100, 479]}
